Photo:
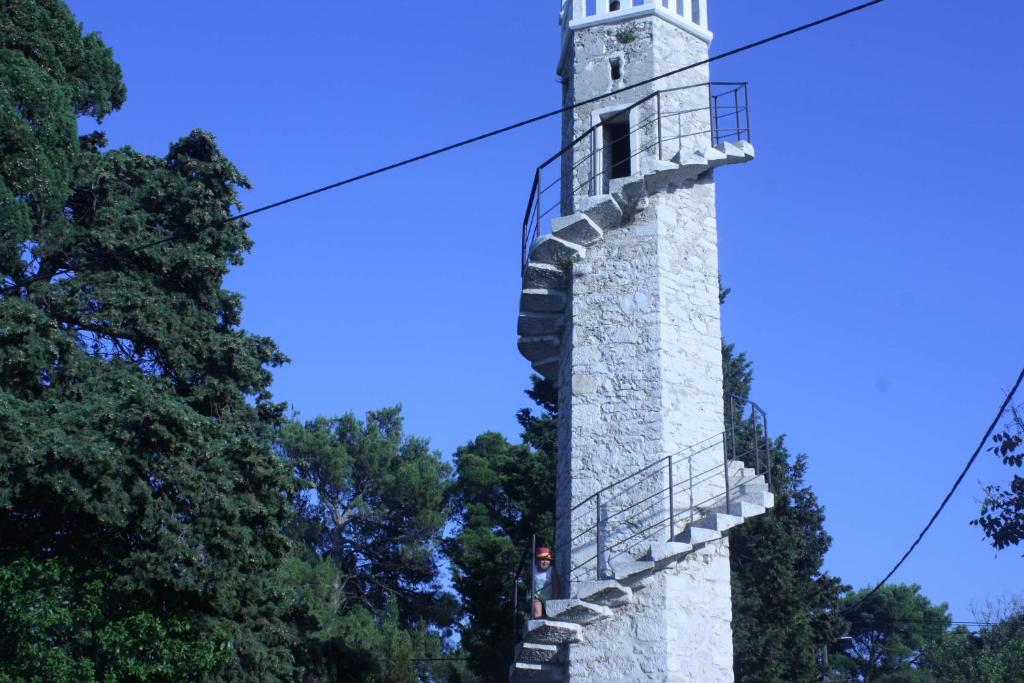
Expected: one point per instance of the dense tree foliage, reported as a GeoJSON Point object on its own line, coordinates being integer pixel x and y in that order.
{"type": "Point", "coordinates": [504, 494]}
{"type": "Point", "coordinates": [364, 582]}
{"type": "Point", "coordinates": [890, 630]}
{"type": "Point", "coordinates": [1002, 510]}
{"type": "Point", "coordinates": [993, 654]}
{"type": "Point", "coordinates": [784, 604]}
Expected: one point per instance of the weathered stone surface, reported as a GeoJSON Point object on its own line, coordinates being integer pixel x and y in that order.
{"type": "Point", "coordinates": [714, 157]}
{"type": "Point", "coordinates": [732, 152]}
{"type": "Point", "coordinates": [576, 611]}
{"type": "Point", "coordinates": [603, 210]}
{"type": "Point", "coordinates": [667, 551]}
{"type": "Point", "coordinates": [542, 301]}
{"type": "Point", "coordinates": [624, 569]}
{"type": "Point", "coordinates": [545, 276]}
{"type": "Point", "coordinates": [609, 593]}
{"type": "Point", "coordinates": [555, 632]}
{"type": "Point", "coordinates": [744, 509]}
{"type": "Point", "coordinates": [537, 653]}
{"type": "Point", "coordinates": [536, 673]}
{"type": "Point", "coordinates": [577, 228]}
{"type": "Point", "coordinates": [695, 535]}
{"type": "Point", "coordinates": [629, 191]}
{"type": "Point", "coordinates": [718, 521]}
{"type": "Point", "coordinates": [539, 348]}
{"type": "Point", "coordinates": [554, 251]}
{"type": "Point", "coordinates": [540, 324]}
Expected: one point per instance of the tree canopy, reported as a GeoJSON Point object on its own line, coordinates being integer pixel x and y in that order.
{"type": "Point", "coordinates": [1002, 510]}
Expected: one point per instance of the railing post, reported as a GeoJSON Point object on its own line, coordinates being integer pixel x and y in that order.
{"type": "Point", "coordinates": [725, 458]}
{"type": "Point", "coordinates": [689, 462]}
{"type": "Point", "coordinates": [671, 502]}
{"type": "Point", "coordinates": [537, 180]}
{"type": "Point", "coordinates": [658, 99]}
{"type": "Point", "coordinates": [736, 102]}
{"type": "Point", "coordinates": [768, 450]}
{"type": "Point", "coordinates": [533, 562]}
{"type": "Point", "coordinates": [599, 540]}
{"type": "Point", "coordinates": [591, 185]}
{"type": "Point", "coordinates": [713, 113]}
{"type": "Point", "coordinates": [746, 108]}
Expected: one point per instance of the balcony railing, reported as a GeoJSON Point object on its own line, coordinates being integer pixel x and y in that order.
{"type": "Point", "coordinates": [657, 129]}
{"type": "Point", "coordinates": [691, 11]}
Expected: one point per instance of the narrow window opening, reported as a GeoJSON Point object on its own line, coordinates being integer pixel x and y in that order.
{"type": "Point", "coordinates": [618, 151]}
{"type": "Point", "coordinates": [616, 68]}
{"type": "Point", "coordinates": [696, 12]}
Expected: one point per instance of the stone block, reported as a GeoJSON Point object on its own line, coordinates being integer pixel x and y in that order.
{"type": "Point", "coordinates": [540, 324]}
{"type": "Point", "coordinates": [626, 569]}
{"type": "Point", "coordinates": [718, 521]}
{"type": "Point", "coordinates": [577, 228]}
{"type": "Point", "coordinates": [542, 301]}
{"type": "Point", "coordinates": [714, 157]}
{"type": "Point", "coordinates": [554, 251]}
{"type": "Point", "coordinates": [552, 632]}
{"type": "Point", "coordinates": [576, 611]}
{"type": "Point", "coordinates": [607, 592]}
{"type": "Point", "coordinates": [539, 348]}
{"type": "Point", "coordinates": [545, 276]}
{"type": "Point", "coordinates": [695, 535]}
{"type": "Point", "coordinates": [537, 653]}
{"type": "Point", "coordinates": [548, 368]}
{"type": "Point", "coordinates": [603, 210]}
{"type": "Point", "coordinates": [538, 673]}
{"type": "Point", "coordinates": [631, 191]}
{"type": "Point", "coordinates": [732, 153]}
{"type": "Point", "coordinates": [667, 551]}
{"type": "Point", "coordinates": [747, 149]}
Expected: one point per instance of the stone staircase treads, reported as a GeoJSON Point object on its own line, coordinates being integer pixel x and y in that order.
{"type": "Point", "coordinates": [744, 509]}
{"type": "Point", "coordinates": [548, 631]}
{"type": "Point", "coordinates": [576, 611]}
{"type": "Point", "coordinates": [542, 301]}
{"type": "Point", "coordinates": [629, 191]}
{"type": "Point", "coordinates": [555, 251]}
{"type": "Point", "coordinates": [545, 276]}
{"type": "Point", "coordinates": [540, 324]}
{"type": "Point", "coordinates": [602, 209]}
{"type": "Point", "coordinates": [695, 535]}
{"type": "Point", "coordinates": [540, 673]}
{"type": "Point", "coordinates": [577, 228]}
{"type": "Point", "coordinates": [607, 592]}
{"type": "Point", "coordinates": [667, 551]}
{"type": "Point", "coordinates": [732, 152]}
{"type": "Point", "coordinates": [625, 569]}
{"type": "Point", "coordinates": [547, 367]}
{"type": "Point", "coordinates": [714, 157]}
{"type": "Point", "coordinates": [537, 653]}
{"type": "Point", "coordinates": [539, 348]}
{"type": "Point", "coordinates": [718, 521]}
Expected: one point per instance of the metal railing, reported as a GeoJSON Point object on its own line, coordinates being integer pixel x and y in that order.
{"type": "Point", "coordinates": [660, 500]}
{"type": "Point", "coordinates": [657, 129]}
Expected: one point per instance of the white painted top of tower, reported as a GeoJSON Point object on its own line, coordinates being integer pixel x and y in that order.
{"type": "Point", "coordinates": [690, 15]}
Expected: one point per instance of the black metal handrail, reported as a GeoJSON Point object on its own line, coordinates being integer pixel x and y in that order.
{"type": "Point", "coordinates": [728, 119]}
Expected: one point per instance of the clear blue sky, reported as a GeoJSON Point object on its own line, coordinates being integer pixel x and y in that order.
{"type": "Point", "coordinates": [873, 248]}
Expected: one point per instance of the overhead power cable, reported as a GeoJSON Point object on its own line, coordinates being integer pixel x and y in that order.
{"type": "Point", "coordinates": [496, 132]}
{"type": "Point", "coordinates": [956, 485]}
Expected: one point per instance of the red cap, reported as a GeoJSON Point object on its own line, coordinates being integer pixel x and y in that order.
{"type": "Point", "coordinates": [544, 554]}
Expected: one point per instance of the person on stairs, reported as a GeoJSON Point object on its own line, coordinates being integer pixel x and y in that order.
{"type": "Point", "coordinates": [545, 581]}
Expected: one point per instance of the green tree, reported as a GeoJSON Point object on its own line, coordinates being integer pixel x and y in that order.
{"type": "Point", "coordinates": [784, 604]}
{"type": "Point", "coordinates": [136, 422]}
{"type": "Point", "coordinates": [364, 584]}
{"type": "Point", "coordinates": [891, 630]}
{"type": "Point", "coordinates": [1002, 509]}
{"type": "Point", "coordinates": [504, 494]}
{"type": "Point", "coordinates": [993, 654]}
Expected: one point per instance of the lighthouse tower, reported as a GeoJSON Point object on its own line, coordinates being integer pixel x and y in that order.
{"type": "Point", "coordinates": [620, 308]}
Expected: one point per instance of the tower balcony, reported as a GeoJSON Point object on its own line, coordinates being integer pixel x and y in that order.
{"type": "Point", "coordinates": [676, 129]}
{"type": "Point", "coordinates": [691, 15]}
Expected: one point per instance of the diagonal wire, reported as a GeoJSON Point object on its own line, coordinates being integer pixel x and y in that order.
{"type": "Point", "coordinates": [494, 133]}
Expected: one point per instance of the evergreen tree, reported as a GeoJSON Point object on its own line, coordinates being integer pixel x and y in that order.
{"type": "Point", "coordinates": [1002, 510]}
{"type": "Point", "coordinates": [505, 493]}
{"type": "Point", "coordinates": [137, 476]}
{"type": "Point", "coordinates": [891, 630]}
{"type": "Point", "coordinates": [784, 604]}
{"type": "Point", "coordinates": [364, 583]}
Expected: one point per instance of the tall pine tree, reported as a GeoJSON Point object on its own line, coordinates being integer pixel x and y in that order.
{"type": "Point", "coordinates": [138, 485]}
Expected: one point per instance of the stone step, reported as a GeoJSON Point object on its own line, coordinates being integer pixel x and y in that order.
{"type": "Point", "coordinates": [542, 301]}
{"type": "Point", "coordinates": [576, 611]}
{"type": "Point", "coordinates": [540, 673]}
{"type": "Point", "coordinates": [718, 521]}
{"type": "Point", "coordinates": [667, 551]}
{"type": "Point", "coordinates": [545, 276]}
{"type": "Point", "coordinates": [539, 348]}
{"type": "Point", "coordinates": [538, 653]}
{"type": "Point", "coordinates": [732, 152]}
{"type": "Point", "coordinates": [551, 632]}
{"type": "Point", "coordinates": [628, 570]}
{"type": "Point", "coordinates": [577, 228]}
{"type": "Point", "coordinates": [609, 593]}
{"type": "Point", "coordinates": [714, 157]}
{"type": "Point", "coordinates": [602, 209]}
{"type": "Point", "coordinates": [541, 324]}
{"type": "Point", "coordinates": [629, 191]}
{"type": "Point", "coordinates": [748, 149]}
{"type": "Point", "coordinates": [742, 509]}
{"type": "Point", "coordinates": [555, 251]}
{"type": "Point", "coordinates": [547, 367]}
{"type": "Point", "coordinates": [695, 535]}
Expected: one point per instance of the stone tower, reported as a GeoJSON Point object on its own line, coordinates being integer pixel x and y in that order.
{"type": "Point", "coordinates": [620, 307]}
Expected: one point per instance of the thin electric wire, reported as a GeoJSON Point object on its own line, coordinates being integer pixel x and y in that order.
{"type": "Point", "coordinates": [956, 485]}
{"type": "Point", "coordinates": [490, 134]}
